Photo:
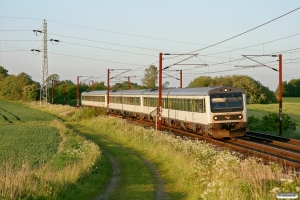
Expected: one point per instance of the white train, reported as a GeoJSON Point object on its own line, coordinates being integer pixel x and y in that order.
{"type": "Point", "coordinates": [211, 111]}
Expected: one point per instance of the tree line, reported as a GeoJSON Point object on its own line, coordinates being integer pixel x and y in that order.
{"type": "Point", "coordinates": [291, 88]}
{"type": "Point", "coordinates": [256, 93]}
{"type": "Point", "coordinates": [22, 87]}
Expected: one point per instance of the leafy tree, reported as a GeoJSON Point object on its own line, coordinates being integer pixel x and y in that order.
{"type": "Point", "coordinates": [165, 84]}
{"type": "Point", "coordinates": [201, 81]}
{"type": "Point", "coordinates": [3, 73]}
{"type": "Point", "coordinates": [290, 89]}
{"type": "Point", "coordinates": [255, 91]}
{"type": "Point", "coordinates": [12, 87]}
{"type": "Point", "coordinates": [54, 77]}
{"type": "Point", "coordinates": [151, 76]}
{"type": "Point", "coordinates": [30, 92]}
{"type": "Point", "coordinates": [99, 86]}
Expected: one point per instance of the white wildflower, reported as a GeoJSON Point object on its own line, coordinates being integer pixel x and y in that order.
{"type": "Point", "coordinates": [275, 190]}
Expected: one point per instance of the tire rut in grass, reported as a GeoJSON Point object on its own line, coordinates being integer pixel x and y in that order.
{"type": "Point", "coordinates": [5, 118]}
{"type": "Point", "coordinates": [160, 193]}
{"type": "Point", "coordinates": [114, 179]}
{"type": "Point", "coordinates": [18, 119]}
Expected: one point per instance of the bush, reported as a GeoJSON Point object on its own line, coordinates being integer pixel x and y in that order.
{"type": "Point", "coordinates": [269, 123]}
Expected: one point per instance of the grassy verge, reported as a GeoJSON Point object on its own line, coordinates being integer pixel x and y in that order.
{"type": "Point", "coordinates": [137, 180]}
{"type": "Point", "coordinates": [195, 170]}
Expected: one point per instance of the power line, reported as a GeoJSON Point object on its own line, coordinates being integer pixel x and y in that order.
{"type": "Point", "coordinates": [108, 49]}
{"type": "Point", "coordinates": [94, 59]}
{"type": "Point", "coordinates": [19, 18]}
{"type": "Point", "coordinates": [14, 30]}
{"type": "Point", "coordinates": [242, 33]}
{"type": "Point", "coordinates": [257, 44]}
{"type": "Point", "coordinates": [19, 40]}
{"type": "Point", "coordinates": [77, 38]}
{"type": "Point", "coordinates": [247, 31]}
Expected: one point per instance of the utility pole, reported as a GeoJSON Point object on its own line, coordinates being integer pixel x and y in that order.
{"type": "Point", "coordinates": [180, 78]}
{"type": "Point", "coordinates": [128, 82]}
{"type": "Point", "coordinates": [108, 78]}
{"type": "Point", "coordinates": [280, 94]}
{"type": "Point", "coordinates": [52, 90]}
{"type": "Point", "coordinates": [44, 97]}
{"type": "Point", "coordinates": [44, 85]}
{"type": "Point", "coordinates": [77, 92]}
{"type": "Point", "coordinates": [160, 92]}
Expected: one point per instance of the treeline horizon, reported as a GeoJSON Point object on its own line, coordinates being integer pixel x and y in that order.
{"type": "Point", "coordinates": [21, 87]}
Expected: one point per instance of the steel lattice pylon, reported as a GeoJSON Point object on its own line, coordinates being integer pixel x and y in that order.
{"type": "Point", "coordinates": [44, 85]}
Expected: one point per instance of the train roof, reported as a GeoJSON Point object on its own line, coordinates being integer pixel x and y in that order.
{"type": "Point", "coordinates": [199, 91]}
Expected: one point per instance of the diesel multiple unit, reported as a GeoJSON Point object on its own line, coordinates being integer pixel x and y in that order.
{"type": "Point", "coordinates": [211, 111]}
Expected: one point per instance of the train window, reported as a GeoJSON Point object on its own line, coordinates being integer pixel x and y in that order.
{"type": "Point", "coordinates": [196, 105]}
{"type": "Point", "coordinates": [166, 102]}
{"type": "Point", "coordinates": [201, 106]}
{"type": "Point", "coordinates": [174, 104]}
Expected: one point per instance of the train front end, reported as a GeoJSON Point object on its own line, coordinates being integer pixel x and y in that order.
{"type": "Point", "coordinates": [228, 112]}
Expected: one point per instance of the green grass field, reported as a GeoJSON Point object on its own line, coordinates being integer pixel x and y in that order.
{"type": "Point", "coordinates": [290, 106]}
{"type": "Point", "coordinates": [39, 157]}
{"type": "Point", "coordinates": [33, 143]}
{"type": "Point", "coordinates": [12, 113]}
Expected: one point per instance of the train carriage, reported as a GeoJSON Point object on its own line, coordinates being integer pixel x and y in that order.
{"type": "Point", "coordinates": [212, 111]}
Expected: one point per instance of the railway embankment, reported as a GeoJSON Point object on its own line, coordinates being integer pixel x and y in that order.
{"type": "Point", "coordinates": [193, 169]}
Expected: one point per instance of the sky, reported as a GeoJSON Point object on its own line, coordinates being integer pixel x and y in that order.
{"type": "Point", "coordinates": [97, 35]}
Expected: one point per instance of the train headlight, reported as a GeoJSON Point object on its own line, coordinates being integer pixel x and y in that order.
{"type": "Point", "coordinates": [215, 117]}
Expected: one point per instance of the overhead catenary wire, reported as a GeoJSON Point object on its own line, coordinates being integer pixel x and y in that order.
{"type": "Point", "coordinates": [240, 33]}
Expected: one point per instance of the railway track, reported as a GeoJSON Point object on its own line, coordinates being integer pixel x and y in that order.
{"type": "Point", "coordinates": [270, 148]}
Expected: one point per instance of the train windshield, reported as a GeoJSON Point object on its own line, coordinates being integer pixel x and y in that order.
{"type": "Point", "coordinates": [226, 102]}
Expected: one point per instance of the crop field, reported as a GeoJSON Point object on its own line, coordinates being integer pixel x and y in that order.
{"type": "Point", "coordinates": [33, 143]}
{"type": "Point", "coordinates": [39, 156]}
{"type": "Point", "coordinates": [12, 113]}
{"type": "Point", "coordinates": [25, 135]}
